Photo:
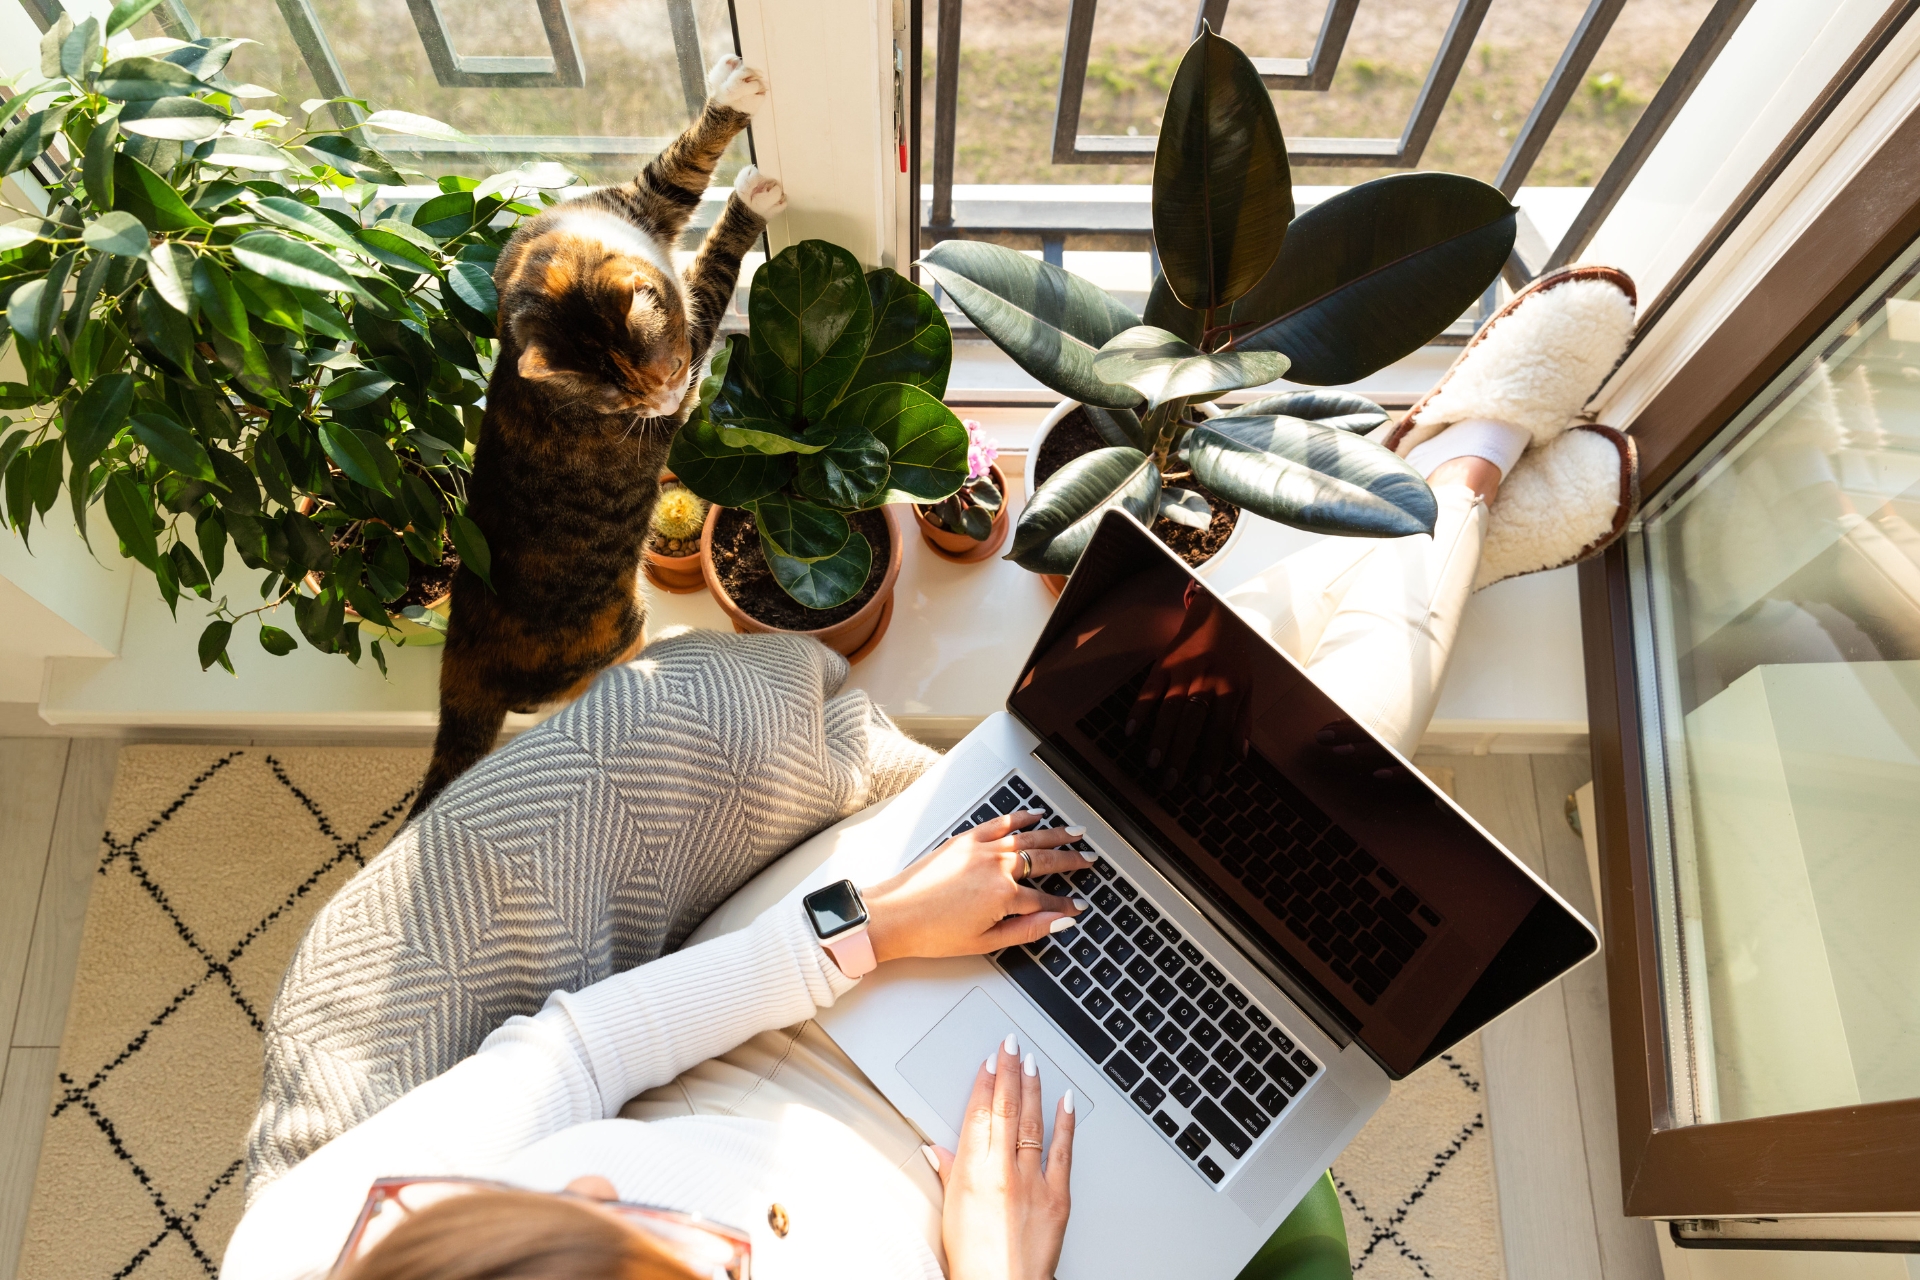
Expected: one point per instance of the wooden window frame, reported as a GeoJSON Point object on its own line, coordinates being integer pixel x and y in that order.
{"type": "Point", "coordinates": [1845, 1161]}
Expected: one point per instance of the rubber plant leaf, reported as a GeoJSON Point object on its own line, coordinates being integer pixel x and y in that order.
{"type": "Point", "coordinates": [743, 417]}
{"type": "Point", "coordinates": [1341, 410]}
{"type": "Point", "coordinates": [1049, 321]}
{"type": "Point", "coordinates": [925, 443]}
{"type": "Point", "coordinates": [911, 342]}
{"type": "Point", "coordinates": [1310, 476]}
{"type": "Point", "coordinates": [798, 529]}
{"type": "Point", "coordinates": [721, 473]}
{"type": "Point", "coordinates": [811, 318]}
{"type": "Point", "coordinates": [1119, 427]}
{"type": "Point", "coordinates": [823, 584]}
{"type": "Point", "coordinates": [1162, 367]}
{"type": "Point", "coordinates": [1060, 519]}
{"type": "Point", "coordinates": [1222, 192]}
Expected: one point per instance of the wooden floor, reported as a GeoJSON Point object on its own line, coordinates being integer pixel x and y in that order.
{"type": "Point", "coordinates": [1550, 1092]}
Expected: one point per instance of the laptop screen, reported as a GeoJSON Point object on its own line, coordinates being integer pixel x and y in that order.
{"type": "Point", "coordinates": [1346, 868]}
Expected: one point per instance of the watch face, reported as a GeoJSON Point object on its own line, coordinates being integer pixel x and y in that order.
{"type": "Point", "coordinates": [835, 909]}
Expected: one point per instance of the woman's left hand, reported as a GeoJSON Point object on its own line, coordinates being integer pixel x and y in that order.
{"type": "Point", "coordinates": [963, 899]}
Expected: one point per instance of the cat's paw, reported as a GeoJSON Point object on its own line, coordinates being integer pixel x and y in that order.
{"type": "Point", "coordinates": [764, 195]}
{"type": "Point", "coordinates": [732, 83]}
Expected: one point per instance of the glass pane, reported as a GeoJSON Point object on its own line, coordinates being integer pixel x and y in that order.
{"type": "Point", "coordinates": [1777, 605]}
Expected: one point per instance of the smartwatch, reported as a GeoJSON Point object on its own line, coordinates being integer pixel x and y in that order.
{"type": "Point", "coordinates": [839, 918]}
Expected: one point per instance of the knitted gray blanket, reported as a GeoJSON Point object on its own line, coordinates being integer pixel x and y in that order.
{"type": "Point", "coordinates": [592, 843]}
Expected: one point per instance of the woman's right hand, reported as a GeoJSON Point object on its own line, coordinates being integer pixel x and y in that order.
{"type": "Point", "coordinates": [1005, 1214]}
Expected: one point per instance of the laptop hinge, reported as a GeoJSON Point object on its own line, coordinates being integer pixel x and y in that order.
{"type": "Point", "coordinates": [1148, 846]}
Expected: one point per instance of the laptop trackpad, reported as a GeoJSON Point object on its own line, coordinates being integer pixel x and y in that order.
{"type": "Point", "coordinates": [942, 1066]}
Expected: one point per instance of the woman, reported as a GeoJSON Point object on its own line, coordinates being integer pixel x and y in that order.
{"type": "Point", "coordinates": [693, 1080]}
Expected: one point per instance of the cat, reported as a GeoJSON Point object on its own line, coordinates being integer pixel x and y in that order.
{"type": "Point", "coordinates": [598, 341]}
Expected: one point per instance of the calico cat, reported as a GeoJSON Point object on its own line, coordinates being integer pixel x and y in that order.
{"type": "Point", "coordinates": [598, 339]}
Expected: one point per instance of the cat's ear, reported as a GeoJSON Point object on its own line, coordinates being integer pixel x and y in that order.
{"type": "Point", "coordinates": [645, 298]}
{"type": "Point", "coordinates": [533, 365]}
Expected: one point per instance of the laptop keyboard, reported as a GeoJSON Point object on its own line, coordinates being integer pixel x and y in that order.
{"type": "Point", "coordinates": [1147, 1006]}
{"type": "Point", "coordinates": [1333, 895]}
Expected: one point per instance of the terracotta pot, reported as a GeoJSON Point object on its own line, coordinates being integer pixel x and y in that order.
{"type": "Point", "coordinates": [678, 574]}
{"type": "Point", "coordinates": [960, 548]}
{"type": "Point", "coordinates": [855, 636]}
{"type": "Point", "coordinates": [1055, 583]}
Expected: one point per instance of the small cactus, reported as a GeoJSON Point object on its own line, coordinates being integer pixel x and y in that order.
{"type": "Point", "coordinates": [678, 515]}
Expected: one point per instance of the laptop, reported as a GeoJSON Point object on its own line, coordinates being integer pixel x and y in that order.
{"type": "Point", "coordinates": [1266, 950]}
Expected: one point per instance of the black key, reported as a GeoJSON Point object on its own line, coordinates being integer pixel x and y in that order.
{"type": "Point", "coordinates": [1106, 973]}
{"type": "Point", "coordinates": [1020, 786]}
{"type": "Point", "coordinates": [1101, 865]}
{"type": "Point", "coordinates": [1098, 1003]}
{"type": "Point", "coordinates": [1057, 886]}
{"type": "Point", "coordinates": [1147, 909]}
{"type": "Point", "coordinates": [1125, 890]}
{"type": "Point", "coordinates": [1193, 1142]}
{"type": "Point", "coordinates": [1171, 1038]}
{"type": "Point", "coordinates": [1078, 982]}
{"type": "Point", "coordinates": [1148, 941]}
{"type": "Point", "coordinates": [1193, 1058]}
{"type": "Point", "coordinates": [1214, 1081]}
{"type": "Point", "coordinates": [1212, 1003]}
{"type": "Point", "coordinates": [1099, 928]}
{"type": "Point", "coordinates": [1222, 1127]}
{"type": "Point", "coordinates": [1369, 974]}
{"type": "Point", "coordinates": [1168, 1125]}
{"type": "Point", "coordinates": [1163, 1069]}
{"type": "Point", "coordinates": [1281, 1042]}
{"type": "Point", "coordinates": [1045, 811]}
{"type": "Point", "coordinates": [1004, 801]}
{"type": "Point", "coordinates": [1119, 948]}
{"type": "Point", "coordinates": [1141, 1046]}
{"type": "Point", "coordinates": [1086, 879]}
{"type": "Point", "coordinates": [1183, 1013]}
{"type": "Point", "coordinates": [1192, 953]}
{"type": "Point", "coordinates": [1167, 930]}
{"type": "Point", "coordinates": [1149, 1095]}
{"type": "Point", "coordinates": [1273, 1099]}
{"type": "Point", "coordinates": [1213, 1171]}
{"type": "Point", "coordinates": [1284, 1075]}
{"type": "Point", "coordinates": [1119, 1024]}
{"type": "Point", "coordinates": [1124, 1071]}
{"type": "Point", "coordinates": [1162, 991]}
{"type": "Point", "coordinates": [1149, 1016]}
{"type": "Point", "coordinates": [1243, 1109]}
{"type": "Point", "coordinates": [981, 814]}
{"type": "Point", "coordinates": [1302, 1061]}
{"type": "Point", "coordinates": [1192, 983]}
{"type": "Point", "coordinates": [1140, 970]}
{"type": "Point", "coordinates": [1106, 899]}
{"type": "Point", "coordinates": [1365, 992]}
{"type": "Point", "coordinates": [1126, 995]}
{"type": "Point", "coordinates": [1169, 962]}
{"type": "Point", "coordinates": [1248, 1077]}
{"type": "Point", "coordinates": [1055, 961]}
{"type": "Point", "coordinates": [1427, 914]}
{"type": "Point", "coordinates": [1126, 920]}
{"type": "Point", "coordinates": [1213, 975]}
{"type": "Point", "coordinates": [1236, 997]}
{"type": "Point", "coordinates": [1227, 1056]}
{"type": "Point", "coordinates": [1403, 898]}
{"type": "Point", "coordinates": [1186, 1090]}
{"type": "Point", "coordinates": [1233, 1025]}
{"type": "Point", "coordinates": [1046, 993]}
{"type": "Point", "coordinates": [963, 827]}
{"type": "Point", "coordinates": [1205, 1034]}
{"type": "Point", "coordinates": [1259, 1019]}
{"type": "Point", "coordinates": [1256, 1047]}
{"type": "Point", "coordinates": [1085, 951]}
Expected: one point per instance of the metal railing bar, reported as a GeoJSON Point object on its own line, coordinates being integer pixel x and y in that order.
{"type": "Point", "coordinates": [43, 12]}
{"type": "Point", "coordinates": [174, 19]}
{"type": "Point", "coordinates": [317, 51]}
{"type": "Point", "coordinates": [1073, 84]}
{"type": "Point", "coordinates": [563, 70]}
{"type": "Point", "coordinates": [1313, 74]}
{"type": "Point", "coordinates": [1691, 67]}
{"type": "Point", "coordinates": [535, 145]}
{"type": "Point", "coordinates": [1567, 76]}
{"type": "Point", "coordinates": [687, 55]}
{"type": "Point", "coordinates": [1454, 47]}
{"type": "Point", "coordinates": [946, 109]}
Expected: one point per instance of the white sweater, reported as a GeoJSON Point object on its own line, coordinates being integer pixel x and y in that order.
{"type": "Point", "coordinates": [536, 1106]}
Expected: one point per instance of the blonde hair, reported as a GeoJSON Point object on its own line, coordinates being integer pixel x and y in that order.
{"type": "Point", "coordinates": [515, 1235]}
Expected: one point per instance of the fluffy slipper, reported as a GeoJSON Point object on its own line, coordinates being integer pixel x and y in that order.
{"type": "Point", "coordinates": [1563, 502]}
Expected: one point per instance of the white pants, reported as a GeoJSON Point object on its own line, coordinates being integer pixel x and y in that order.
{"type": "Point", "coordinates": [1373, 620]}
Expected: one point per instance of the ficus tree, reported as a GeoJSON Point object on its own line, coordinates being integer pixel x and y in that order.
{"type": "Point", "coordinates": [1247, 293]}
{"type": "Point", "coordinates": [232, 343]}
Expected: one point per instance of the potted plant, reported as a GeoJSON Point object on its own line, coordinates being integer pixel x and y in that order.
{"type": "Point", "coordinates": [969, 524]}
{"type": "Point", "coordinates": [1247, 293]}
{"type": "Point", "coordinates": [230, 345]}
{"type": "Point", "coordinates": [810, 428]}
{"type": "Point", "coordinates": [673, 539]}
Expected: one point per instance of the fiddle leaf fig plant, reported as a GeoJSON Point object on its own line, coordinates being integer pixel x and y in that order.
{"type": "Point", "coordinates": [828, 405]}
{"type": "Point", "coordinates": [232, 347]}
{"type": "Point", "coordinates": [1247, 293]}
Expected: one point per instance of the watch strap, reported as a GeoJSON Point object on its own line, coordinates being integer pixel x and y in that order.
{"type": "Point", "coordinates": [853, 952]}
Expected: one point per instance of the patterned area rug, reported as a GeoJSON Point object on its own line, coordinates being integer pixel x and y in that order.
{"type": "Point", "coordinates": [214, 860]}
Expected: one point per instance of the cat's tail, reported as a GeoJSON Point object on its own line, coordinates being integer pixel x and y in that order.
{"type": "Point", "coordinates": [468, 728]}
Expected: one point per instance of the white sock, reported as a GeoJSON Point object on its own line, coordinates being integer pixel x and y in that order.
{"type": "Point", "coordinates": [1500, 443]}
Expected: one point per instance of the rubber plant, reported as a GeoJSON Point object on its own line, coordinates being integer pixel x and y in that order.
{"type": "Point", "coordinates": [829, 404]}
{"type": "Point", "coordinates": [229, 345]}
{"type": "Point", "coordinates": [1247, 293]}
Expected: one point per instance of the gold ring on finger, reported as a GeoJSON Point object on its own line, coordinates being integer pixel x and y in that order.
{"type": "Point", "coordinates": [1028, 859]}
{"type": "Point", "coordinates": [1024, 1143]}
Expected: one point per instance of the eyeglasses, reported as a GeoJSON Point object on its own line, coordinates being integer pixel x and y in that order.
{"type": "Point", "coordinates": [707, 1248]}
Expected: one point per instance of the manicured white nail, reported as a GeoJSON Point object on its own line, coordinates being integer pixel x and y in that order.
{"type": "Point", "coordinates": [1028, 1066]}
{"type": "Point", "coordinates": [993, 1064]}
{"type": "Point", "coordinates": [1061, 925]}
{"type": "Point", "coordinates": [933, 1157]}
{"type": "Point", "coordinates": [1076, 832]}
{"type": "Point", "coordinates": [1012, 1046]}
{"type": "Point", "coordinates": [1066, 1102]}
{"type": "Point", "coordinates": [1081, 904]}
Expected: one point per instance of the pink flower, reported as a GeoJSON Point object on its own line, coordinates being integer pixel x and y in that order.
{"type": "Point", "coordinates": [981, 451]}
